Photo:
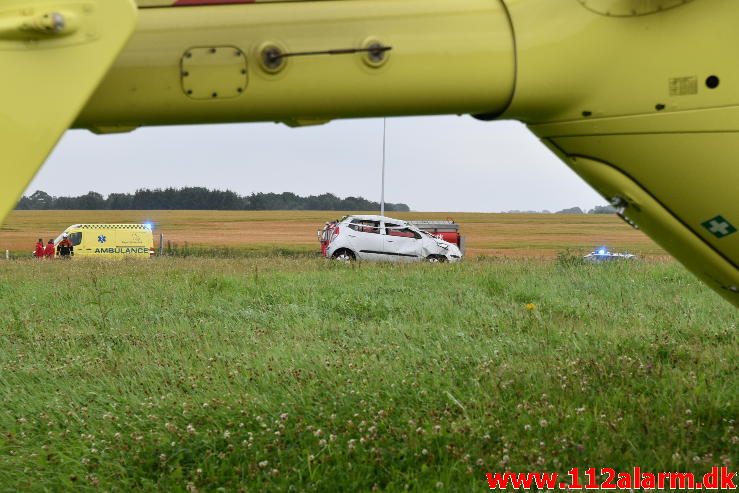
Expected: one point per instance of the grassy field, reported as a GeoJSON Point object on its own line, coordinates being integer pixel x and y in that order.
{"type": "Point", "coordinates": [297, 374]}
{"type": "Point", "coordinates": [509, 235]}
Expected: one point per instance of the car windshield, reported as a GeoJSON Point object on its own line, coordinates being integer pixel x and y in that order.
{"type": "Point", "coordinates": [431, 235]}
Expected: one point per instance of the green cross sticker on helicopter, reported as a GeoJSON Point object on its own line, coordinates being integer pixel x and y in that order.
{"type": "Point", "coordinates": [719, 227]}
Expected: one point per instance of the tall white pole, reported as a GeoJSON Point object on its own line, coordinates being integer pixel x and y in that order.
{"type": "Point", "coordinates": [384, 157]}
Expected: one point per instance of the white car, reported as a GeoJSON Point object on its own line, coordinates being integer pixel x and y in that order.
{"type": "Point", "coordinates": [384, 238]}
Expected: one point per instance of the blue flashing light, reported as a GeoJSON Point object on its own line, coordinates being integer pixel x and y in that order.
{"type": "Point", "coordinates": [148, 225]}
{"type": "Point", "coordinates": [602, 251]}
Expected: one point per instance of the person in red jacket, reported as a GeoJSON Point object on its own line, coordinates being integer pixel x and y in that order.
{"type": "Point", "coordinates": [65, 249]}
{"type": "Point", "coordinates": [49, 250]}
{"type": "Point", "coordinates": [39, 252]}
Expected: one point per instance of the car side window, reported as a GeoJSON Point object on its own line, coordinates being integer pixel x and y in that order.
{"type": "Point", "coordinates": [363, 226]}
{"type": "Point", "coordinates": [75, 238]}
{"type": "Point", "coordinates": [392, 229]}
{"type": "Point", "coordinates": [397, 230]}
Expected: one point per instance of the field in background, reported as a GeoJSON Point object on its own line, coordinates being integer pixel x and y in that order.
{"type": "Point", "coordinates": [509, 235]}
{"type": "Point", "coordinates": [298, 374]}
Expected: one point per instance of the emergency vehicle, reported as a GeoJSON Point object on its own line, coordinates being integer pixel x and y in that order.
{"type": "Point", "coordinates": [446, 230]}
{"type": "Point", "coordinates": [114, 241]}
{"type": "Point", "coordinates": [602, 254]}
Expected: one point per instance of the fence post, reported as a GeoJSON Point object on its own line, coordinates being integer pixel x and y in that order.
{"type": "Point", "coordinates": [161, 244]}
{"type": "Point", "coordinates": [7, 254]}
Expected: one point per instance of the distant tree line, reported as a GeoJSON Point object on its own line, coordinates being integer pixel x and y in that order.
{"type": "Point", "coordinates": [199, 198]}
{"type": "Point", "coordinates": [598, 209]}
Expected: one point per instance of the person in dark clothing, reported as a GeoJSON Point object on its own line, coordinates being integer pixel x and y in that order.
{"type": "Point", "coordinates": [39, 252]}
{"type": "Point", "coordinates": [49, 250]}
{"type": "Point", "coordinates": [65, 249]}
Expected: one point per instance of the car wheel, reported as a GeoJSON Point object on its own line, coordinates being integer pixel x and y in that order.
{"type": "Point", "coordinates": [436, 259]}
{"type": "Point", "coordinates": [344, 256]}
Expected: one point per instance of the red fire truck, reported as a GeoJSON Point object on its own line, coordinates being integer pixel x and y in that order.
{"type": "Point", "coordinates": [447, 230]}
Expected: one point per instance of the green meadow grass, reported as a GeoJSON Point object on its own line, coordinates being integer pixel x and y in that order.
{"type": "Point", "coordinates": [297, 374]}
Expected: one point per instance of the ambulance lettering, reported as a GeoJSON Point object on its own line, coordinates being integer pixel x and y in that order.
{"type": "Point", "coordinates": [122, 250]}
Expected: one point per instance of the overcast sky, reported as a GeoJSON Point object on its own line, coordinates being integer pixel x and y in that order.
{"type": "Point", "coordinates": [433, 163]}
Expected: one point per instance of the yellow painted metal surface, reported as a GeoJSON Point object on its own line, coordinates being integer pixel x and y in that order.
{"type": "Point", "coordinates": [666, 228]}
{"type": "Point", "coordinates": [172, 3]}
{"type": "Point", "coordinates": [52, 56]}
{"type": "Point", "coordinates": [696, 191]}
{"type": "Point", "coordinates": [650, 97]}
{"type": "Point", "coordinates": [572, 62]}
{"type": "Point", "coordinates": [630, 8]}
{"type": "Point", "coordinates": [446, 57]}
{"type": "Point", "coordinates": [213, 72]}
